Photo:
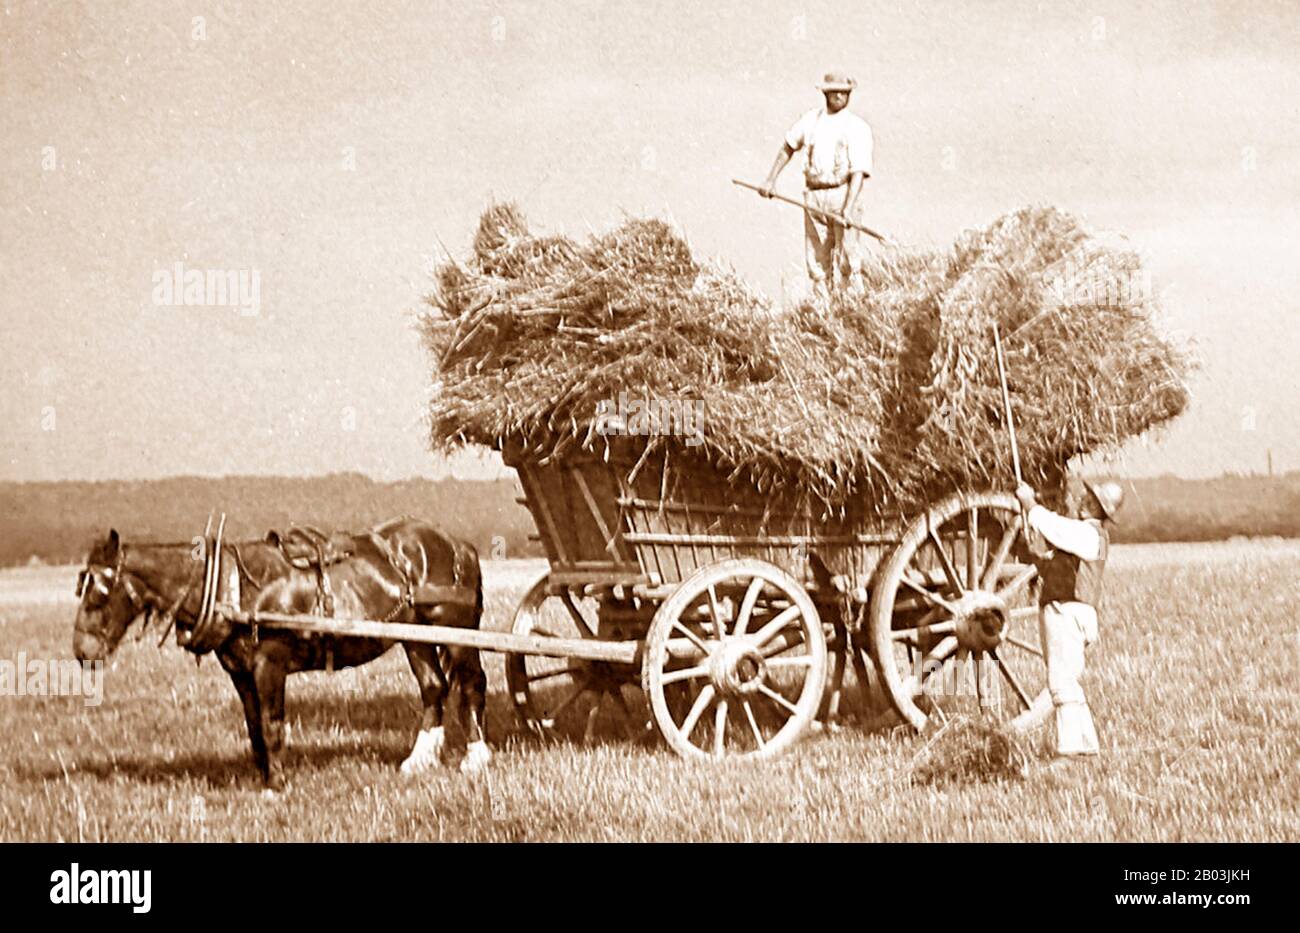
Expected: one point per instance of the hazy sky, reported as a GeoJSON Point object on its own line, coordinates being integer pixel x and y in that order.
{"type": "Point", "coordinates": [331, 148]}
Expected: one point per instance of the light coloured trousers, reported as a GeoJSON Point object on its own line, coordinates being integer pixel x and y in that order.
{"type": "Point", "coordinates": [1065, 630]}
{"type": "Point", "coordinates": [829, 246]}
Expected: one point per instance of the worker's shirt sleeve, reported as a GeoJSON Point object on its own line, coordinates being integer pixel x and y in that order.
{"type": "Point", "coordinates": [797, 136]}
{"type": "Point", "coordinates": [860, 146]}
{"type": "Point", "coordinates": [1080, 538]}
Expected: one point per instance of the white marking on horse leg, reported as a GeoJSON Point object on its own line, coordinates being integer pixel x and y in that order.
{"type": "Point", "coordinates": [427, 751]}
{"type": "Point", "coordinates": [477, 756]}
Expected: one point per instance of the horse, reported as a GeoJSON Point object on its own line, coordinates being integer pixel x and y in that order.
{"type": "Point", "coordinates": [380, 578]}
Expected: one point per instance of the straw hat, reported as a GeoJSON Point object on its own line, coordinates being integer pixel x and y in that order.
{"type": "Point", "coordinates": [836, 81]}
{"type": "Point", "coordinates": [1110, 496]}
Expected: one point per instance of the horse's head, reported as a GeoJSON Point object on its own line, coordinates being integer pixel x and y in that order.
{"type": "Point", "coordinates": [109, 604]}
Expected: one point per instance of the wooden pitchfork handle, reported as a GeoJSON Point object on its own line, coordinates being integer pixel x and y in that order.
{"type": "Point", "coordinates": [825, 215]}
{"type": "Point", "coordinates": [1006, 405]}
{"type": "Point", "coordinates": [1011, 423]}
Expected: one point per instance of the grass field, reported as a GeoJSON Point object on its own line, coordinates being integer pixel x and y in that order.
{"type": "Point", "coordinates": [1193, 686]}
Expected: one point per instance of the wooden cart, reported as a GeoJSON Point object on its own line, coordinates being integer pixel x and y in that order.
{"type": "Point", "coordinates": [733, 610]}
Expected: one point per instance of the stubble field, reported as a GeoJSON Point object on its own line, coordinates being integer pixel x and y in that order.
{"type": "Point", "coordinates": [1192, 685]}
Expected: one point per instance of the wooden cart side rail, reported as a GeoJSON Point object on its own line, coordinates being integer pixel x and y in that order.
{"type": "Point", "coordinates": [570, 575]}
{"type": "Point", "coordinates": [667, 505]}
{"type": "Point", "coordinates": [809, 540]}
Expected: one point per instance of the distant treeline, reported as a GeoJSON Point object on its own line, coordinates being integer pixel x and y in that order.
{"type": "Point", "coordinates": [56, 522]}
{"type": "Point", "coordinates": [1166, 508]}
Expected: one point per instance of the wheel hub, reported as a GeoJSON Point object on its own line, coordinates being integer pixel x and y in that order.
{"type": "Point", "coordinates": [981, 619]}
{"type": "Point", "coordinates": [737, 667]}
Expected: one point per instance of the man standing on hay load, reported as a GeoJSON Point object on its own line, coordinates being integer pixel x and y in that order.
{"type": "Point", "coordinates": [837, 146]}
{"type": "Point", "coordinates": [1073, 558]}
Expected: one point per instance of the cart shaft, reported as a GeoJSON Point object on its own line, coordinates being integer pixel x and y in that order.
{"type": "Point", "coordinates": [618, 652]}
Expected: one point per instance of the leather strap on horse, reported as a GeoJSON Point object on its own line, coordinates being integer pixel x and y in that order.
{"type": "Point", "coordinates": [207, 614]}
{"type": "Point", "coordinates": [325, 593]}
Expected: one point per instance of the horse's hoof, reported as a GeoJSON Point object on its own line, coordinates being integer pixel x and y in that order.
{"type": "Point", "coordinates": [477, 756]}
{"type": "Point", "coordinates": [427, 751]}
{"type": "Point", "coordinates": [415, 765]}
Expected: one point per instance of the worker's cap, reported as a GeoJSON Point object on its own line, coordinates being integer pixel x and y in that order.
{"type": "Point", "coordinates": [1110, 496]}
{"type": "Point", "coordinates": [836, 81]}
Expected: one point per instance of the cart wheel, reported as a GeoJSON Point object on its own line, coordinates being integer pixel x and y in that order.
{"type": "Point", "coordinates": [958, 589]}
{"type": "Point", "coordinates": [568, 697]}
{"type": "Point", "coordinates": [735, 662]}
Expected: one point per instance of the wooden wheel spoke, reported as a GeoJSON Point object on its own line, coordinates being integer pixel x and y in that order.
{"type": "Point", "coordinates": [945, 561]}
{"type": "Point", "coordinates": [972, 549]}
{"type": "Point", "coordinates": [697, 710]}
{"type": "Point", "coordinates": [799, 661]}
{"type": "Point", "coordinates": [1011, 679]}
{"type": "Point", "coordinates": [942, 651]}
{"type": "Point", "coordinates": [559, 672]}
{"type": "Point", "coordinates": [931, 616]}
{"type": "Point", "coordinates": [686, 673]}
{"type": "Point", "coordinates": [933, 599]}
{"type": "Point", "coordinates": [913, 685]}
{"type": "Point", "coordinates": [778, 647]}
{"type": "Point", "coordinates": [753, 724]}
{"type": "Point", "coordinates": [1019, 581]}
{"type": "Point", "coordinates": [944, 627]}
{"type": "Point", "coordinates": [720, 729]}
{"type": "Point", "coordinates": [777, 698]}
{"type": "Point", "coordinates": [692, 637]}
{"type": "Point", "coordinates": [715, 612]}
{"type": "Point", "coordinates": [747, 605]}
{"type": "Point", "coordinates": [1023, 645]}
{"type": "Point", "coordinates": [578, 690]}
{"type": "Point", "coordinates": [583, 628]}
{"type": "Point", "coordinates": [992, 571]}
{"type": "Point", "coordinates": [771, 629]}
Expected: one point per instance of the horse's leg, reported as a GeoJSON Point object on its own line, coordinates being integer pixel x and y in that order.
{"type": "Point", "coordinates": [467, 672]}
{"type": "Point", "coordinates": [270, 668]}
{"type": "Point", "coordinates": [247, 690]}
{"type": "Point", "coordinates": [433, 692]}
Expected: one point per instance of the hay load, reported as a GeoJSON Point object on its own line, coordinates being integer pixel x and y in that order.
{"type": "Point", "coordinates": [892, 395]}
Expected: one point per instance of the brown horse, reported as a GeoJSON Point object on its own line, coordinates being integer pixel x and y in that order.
{"type": "Point", "coordinates": [380, 579]}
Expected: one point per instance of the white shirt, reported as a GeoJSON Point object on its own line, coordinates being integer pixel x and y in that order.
{"type": "Point", "coordinates": [1080, 538]}
{"type": "Point", "coordinates": [836, 144]}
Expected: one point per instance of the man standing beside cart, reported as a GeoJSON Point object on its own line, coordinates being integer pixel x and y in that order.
{"type": "Point", "coordinates": [837, 145]}
{"type": "Point", "coordinates": [1074, 557]}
